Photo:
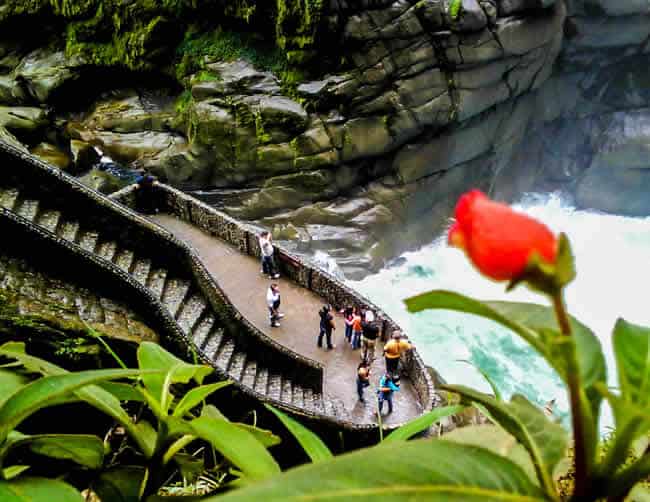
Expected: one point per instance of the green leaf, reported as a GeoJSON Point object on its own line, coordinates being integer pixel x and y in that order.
{"type": "Point", "coordinates": [310, 442]}
{"type": "Point", "coordinates": [10, 382]}
{"type": "Point", "coordinates": [195, 396]}
{"type": "Point", "coordinates": [640, 493]}
{"type": "Point", "coordinates": [240, 447]}
{"type": "Point", "coordinates": [92, 394]}
{"type": "Point", "coordinates": [545, 441]}
{"type": "Point", "coordinates": [632, 351]}
{"type": "Point", "coordinates": [536, 324]}
{"type": "Point", "coordinates": [415, 470]}
{"type": "Point", "coordinates": [14, 471]}
{"type": "Point", "coordinates": [120, 484]}
{"type": "Point", "coordinates": [152, 356]}
{"type": "Point", "coordinates": [27, 489]}
{"type": "Point", "coordinates": [42, 392]}
{"type": "Point", "coordinates": [83, 449]}
{"type": "Point", "coordinates": [267, 438]}
{"type": "Point", "coordinates": [497, 440]}
{"type": "Point", "coordinates": [123, 391]}
{"type": "Point", "coordinates": [423, 422]}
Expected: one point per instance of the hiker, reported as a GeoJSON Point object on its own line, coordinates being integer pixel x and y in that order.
{"type": "Point", "coordinates": [363, 379]}
{"type": "Point", "coordinates": [267, 250]}
{"type": "Point", "coordinates": [326, 327]}
{"type": "Point", "coordinates": [145, 200]}
{"type": "Point", "coordinates": [356, 329]}
{"type": "Point", "coordinates": [273, 302]}
{"type": "Point", "coordinates": [348, 316]}
{"type": "Point", "coordinates": [393, 350]}
{"type": "Point", "coordinates": [387, 385]}
{"type": "Point", "coordinates": [370, 333]}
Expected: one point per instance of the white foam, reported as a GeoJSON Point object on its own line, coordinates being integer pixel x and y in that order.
{"type": "Point", "coordinates": [612, 255]}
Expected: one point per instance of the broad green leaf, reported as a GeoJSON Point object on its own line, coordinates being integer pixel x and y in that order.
{"type": "Point", "coordinates": [640, 493]}
{"type": "Point", "coordinates": [191, 467]}
{"type": "Point", "coordinates": [92, 394]}
{"type": "Point", "coordinates": [120, 484]}
{"type": "Point", "coordinates": [632, 350]}
{"type": "Point", "coordinates": [310, 442]}
{"type": "Point", "coordinates": [152, 356]}
{"type": "Point", "coordinates": [415, 470]}
{"type": "Point", "coordinates": [195, 396]}
{"type": "Point", "coordinates": [240, 447]}
{"type": "Point", "coordinates": [423, 422]}
{"type": "Point", "coordinates": [14, 471]}
{"type": "Point", "coordinates": [10, 382]}
{"type": "Point", "coordinates": [86, 450]}
{"type": "Point", "coordinates": [545, 441]}
{"type": "Point", "coordinates": [123, 391]}
{"type": "Point", "coordinates": [534, 323]}
{"type": "Point", "coordinates": [40, 393]}
{"type": "Point", "coordinates": [267, 438]}
{"type": "Point", "coordinates": [27, 489]}
{"type": "Point", "coordinates": [497, 440]}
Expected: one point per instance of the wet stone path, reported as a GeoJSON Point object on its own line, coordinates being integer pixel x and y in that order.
{"type": "Point", "coordinates": [239, 276]}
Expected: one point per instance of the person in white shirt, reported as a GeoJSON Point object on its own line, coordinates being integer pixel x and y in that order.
{"type": "Point", "coordinates": [268, 262]}
{"type": "Point", "coordinates": [273, 303]}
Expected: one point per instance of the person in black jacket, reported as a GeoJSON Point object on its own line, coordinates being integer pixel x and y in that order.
{"type": "Point", "coordinates": [369, 341]}
{"type": "Point", "coordinates": [326, 326]}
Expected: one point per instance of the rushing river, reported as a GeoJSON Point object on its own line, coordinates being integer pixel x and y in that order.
{"type": "Point", "coordinates": [612, 258]}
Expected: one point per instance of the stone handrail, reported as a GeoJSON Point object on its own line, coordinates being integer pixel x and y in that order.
{"type": "Point", "coordinates": [116, 219]}
{"type": "Point", "coordinates": [244, 238]}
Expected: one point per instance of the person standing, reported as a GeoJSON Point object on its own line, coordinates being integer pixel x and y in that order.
{"type": "Point", "coordinates": [267, 250]}
{"type": "Point", "coordinates": [387, 386]}
{"type": "Point", "coordinates": [393, 350]}
{"type": "Point", "coordinates": [363, 379]}
{"type": "Point", "coordinates": [370, 333]}
{"type": "Point", "coordinates": [326, 327]}
{"type": "Point", "coordinates": [145, 197]}
{"type": "Point", "coordinates": [273, 303]}
{"type": "Point", "coordinates": [348, 316]}
{"type": "Point", "coordinates": [356, 329]}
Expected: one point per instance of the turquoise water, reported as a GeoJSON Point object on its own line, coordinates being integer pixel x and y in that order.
{"type": "Point", "coordinates": [612, 260]}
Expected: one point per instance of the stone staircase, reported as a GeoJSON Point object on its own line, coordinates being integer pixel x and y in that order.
{"type": "Point", "coordinates": [183, 300]}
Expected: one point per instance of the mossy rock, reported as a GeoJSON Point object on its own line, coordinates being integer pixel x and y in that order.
{"type": "Point", "coordinates": [52, 154]}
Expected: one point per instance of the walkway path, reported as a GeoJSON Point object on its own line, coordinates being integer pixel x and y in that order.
{"type": "Point", "coordinates": [239, 276]}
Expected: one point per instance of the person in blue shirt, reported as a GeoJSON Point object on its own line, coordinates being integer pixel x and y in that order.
{"type": "Point", "coordinates": [387, 386]}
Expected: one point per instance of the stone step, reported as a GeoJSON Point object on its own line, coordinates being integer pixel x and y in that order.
{"type": "Point", "coordinates": [68, 230]}
{"type": "Point", "coordinates": [49, 219]}
{"type": "Point", "coordinates": [224, 354]}
{"type": "Point", "coordinates": [141, 269]}
{"type": "Point", "coordinates": [90, 310]}
{"type": "Point", "coordinates": [106, 250]}
{"type": "Point", "coordinates": [319, 405]}
{"type": "Point", "coordinates": [156, 281]}
{"type": "Point", "coordinates": [248, 375]}
{"type": "Point", "coordinates": [287, 390]}
{"type": "Point", "coordinates": [190, 312]}
{"type": "Point", "coordinates": [298, 396]}
{"type": "Point", "coordinates": [88, 240]}
{"type": "Point", "coordinates": [261, 380]}
{"type": "Point", "coordinates": [236, 367]}
{"type": "Point", "coordinates": [174, 294]}
{"type": "Point", "coordinates": [212, 345]}
{"type": "Point", "coordinates": [27, 208]}
{"type": "Point", "coordinates": [308, 399]}
{"type": "Point", "coordinates": [275, 387]}
{"type": "Point", "coordinates": [124, 259]}
{"type": "Point", "coordinates": [201, 331]}
{"type": "Point", "coordinates": [8, 198]}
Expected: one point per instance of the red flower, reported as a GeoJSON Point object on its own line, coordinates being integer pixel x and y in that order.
{"type": "Point", "coordinates": [498, 240]}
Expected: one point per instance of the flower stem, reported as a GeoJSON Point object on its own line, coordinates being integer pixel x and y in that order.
{"type": "Point", "coordinates": [573, 378]}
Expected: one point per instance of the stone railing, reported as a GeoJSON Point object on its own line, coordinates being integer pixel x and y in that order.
{"type": "Point", "coordinates": [244, 238]}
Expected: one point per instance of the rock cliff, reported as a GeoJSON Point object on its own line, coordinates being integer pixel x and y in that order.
{"type": "Point", "coordinates": [339, 123]}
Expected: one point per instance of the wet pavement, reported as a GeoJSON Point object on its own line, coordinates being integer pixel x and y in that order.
{"type": "Point", "coordinates": [239, 276]}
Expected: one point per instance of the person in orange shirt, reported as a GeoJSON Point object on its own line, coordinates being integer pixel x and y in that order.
{"type": "Point", "coordinates": [393, 350]}
{"type": "Point", "coordinates": [357, 329]}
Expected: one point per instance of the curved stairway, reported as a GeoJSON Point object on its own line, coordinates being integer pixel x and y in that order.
{"type": "Point", "coordinates": [292, 387]}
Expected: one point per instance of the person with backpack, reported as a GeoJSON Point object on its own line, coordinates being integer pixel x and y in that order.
{"type": "Point", "coordinates": [387, 386]}
{"type": "Point", "coordinates": [327, 325]}
{"type": "Point", "coordinates": [363, 379]}
{"type": "Point", "coordinates": [370, 333]}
